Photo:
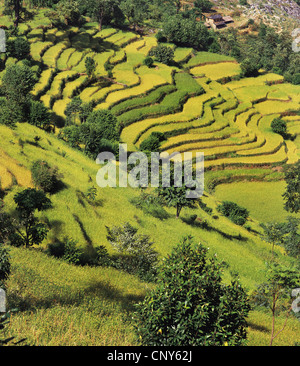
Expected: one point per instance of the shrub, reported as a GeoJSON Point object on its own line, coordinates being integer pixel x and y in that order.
{"type": "Point", "coordinates": [72, 253]}
{"type": "Point", "coordinates": [38, 114]}
{"type": "Point", "coordinates": [4, 265]}
{"type": "Point", "coordinates": [279, 126]}
{"type": "Point", "coordinates": [163, 54]}
{"type": "Point", "coordinates": [148, 61]}
{"type": "Point", "coordinates": [234, 212]}
{"type": "Point", "coordinates": [191, 306]}
{"type": "Point", "coordinates": [18, 48]}
{"type": "Point", "coordinates": [43, 176]}
{"type": "Point", "coordinates": [296, 79]}
{"type": "Point", "coordinates": [136, 251]}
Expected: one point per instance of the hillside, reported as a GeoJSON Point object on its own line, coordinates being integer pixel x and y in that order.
{"type": "Point", "coordinates": [199, 103]}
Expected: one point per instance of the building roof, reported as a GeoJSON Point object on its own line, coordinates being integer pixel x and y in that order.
{"type": "Point", "coordinates": [228, 19]}
{"type": "Point", "coordinates": [215, 16]}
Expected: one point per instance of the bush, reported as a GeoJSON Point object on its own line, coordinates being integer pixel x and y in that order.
{"type": "Point", "coordinates": [4, 265]}
{"type": "Point", "coordinates": [279, 126]}
{"type": "Point", "coordinates": [148, 61]}
{"type": "Point", "coordinates": [296, 79]}
{"type": "Point", "coordinates": [163, 54]}
{"type": "Point", "coordinates": [38, 114]}
{"type": "Point", "coordinates": [72, 253]}
{"type": "Point", "coordinates": [137, 255]}
{"type": "Point", "coordinates": [234, 212]}
{"type": "Point", "coordinates": [191, 305]}
{"type": "Point", "coordinates": [18, 48]}
{"type": "Point", "coordinates": [43, 176]}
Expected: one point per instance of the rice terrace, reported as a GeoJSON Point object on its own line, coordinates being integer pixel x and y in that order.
{"type": "Point", "coordinates": [84, 265]}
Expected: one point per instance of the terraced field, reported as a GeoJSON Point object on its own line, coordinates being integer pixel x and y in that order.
{"type": "Point", "coordinates": [200, 103]}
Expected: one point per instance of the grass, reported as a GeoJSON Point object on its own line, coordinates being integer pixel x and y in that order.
{"type": "Point", "coordinates": [217, 71]}
{"type": "Point", "coordinates": [262, 199]}
{"type": "Point", "coordinates": [206, 57]}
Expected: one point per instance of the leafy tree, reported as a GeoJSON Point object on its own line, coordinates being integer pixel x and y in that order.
{"type": "Point", "coordinates": [17, 82]}
{"type": "Point", "coordinates": [203, 5]}
{"type": "Point", "coordinates": [18, 48]}
{"type": "Point", "coordinates": [5, 265]}
{"type": "Point", "coordinates": [234, 212]}
{"type": "Point", "coordinates": [101, 9]}
{"type": "Point", "coordinates": [44, 176]}
{"type": "Point", "coordinates": [73, 110]}
{"type": "Point", "coordinates": [68, 12]}
{"type": "Point", "coordinates": [137, 253]}
{"type": "Point", "coordinates": [279, 126]}
{"type": "Point", "coordinates": [14, 7]}
{"type": "Point", "coordinates": [187, 32]}
{"type": "Point", "coordinates": [191, 305]}
{"type": "Point", "coordinates": [162, 54]}
{"type": "Point", "coordinates": [90, 66]}
{"type": "Point", "coordinates": [29, 230]}
{"type": "Point", "coordinates": [39, 114]}
{"type": "Point", "coordinates": [7, 117]}
{"type": "Point", "coordinates": [176, 197]}
{"type": "Point", "coordinates": [148, 61]}
{"type": "Point", "coordinates": [136, 11]}
{"type": "Point", "coordinates": [250, 67]}
{"type": "Point", "coordinates": [275, 293]}
{"type": "Point", "coordinates": [292, 192]}
{"type": "Point", "coordinates": [105, 123]}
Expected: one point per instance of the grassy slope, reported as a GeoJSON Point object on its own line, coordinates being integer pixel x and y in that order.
{"type": "Point", "coordinates": [63, 304]}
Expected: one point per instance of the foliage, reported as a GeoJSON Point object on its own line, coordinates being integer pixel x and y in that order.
{"type": "Point", "coordinates": [148, 61]}
{"type": "Point", "coordinates": [29, 231]}
{"type": "Point", "coordinates": [187, 32]}
{"type": "Point", "coordinates": [137, 253]}
{"type": "Point", "coordinates": [17, 82]}
{"type": "Point", "coordinates": [18, 48]}
{"type": "Point", "coordinates": [71, 251]}
{"type": "Point", "coordinates": [292, 193]}
{"type": "Point", "coordinates": [90, 66]}
{"type": "Point", "coordinates": [279, 126]}
{"type": "Point", "coordinates": [190, 305]}
{"type": "Point", "coordinates": [162, 54]}
{"type": "Point", "coordinates": [5, 265]}
{"type": "Point", "coordinates": [275, 292]}
{"type": "Point", "coordinates": [39, 115]}
{"type": "Point", "coordinates": [234, 212]}
{"type": "Point", "coordinates": [44, 176]}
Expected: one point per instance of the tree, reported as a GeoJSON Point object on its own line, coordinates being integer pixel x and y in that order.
{"type": "Point", "coordinates": [137, 253]}
{"type": "Point", "coordinates": [105, 123]}
{"type": "Point", "coordinates": [136, 11]}
{"type": "Point", "coordinates": [163, 54]}
{"type": "Point", "coordinates": [234, 212]}
{"type": "Point", "coordinates": [203, 5]}
{"type": "Point", "coordinates": [39, 114]}
{"type": "Point", "coordinates": [250, 67]}
{"type": "Point", "coordinates": [5, 266]}
{"type": "Point", "coordinates": [101, 9]}
{"type": "Point", "coordinates": [279, 126]}
{"type": "Point", "coordinates": [17, 83]}
{"type": "Point", "coordinates": [68, 12]}
{"type": "Point", "coordinates": [14, 7]}
{"type": "Point", "coordinates": [191, 305]}
{"type": "Point", "coordinates": [44, 177]}
{"type": "Point", "coordinates": [18, 48]}
{"type": "Point", "coordinates": [275, 293]}
{"type": "Point", "coordinates": [29, 230]}
{"type": "Point", "coordinates": [90, 66]}
{"type": "Point", "coordinates": [291, 195]}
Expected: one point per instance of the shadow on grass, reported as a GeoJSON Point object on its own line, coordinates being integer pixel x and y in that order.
{"type": "Point", "coordinates": [203, 224]}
